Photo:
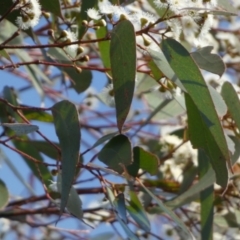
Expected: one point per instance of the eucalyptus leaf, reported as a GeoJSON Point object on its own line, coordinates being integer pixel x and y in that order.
{"type": "Point", "coordinates": [67, 127]}
{"type": "Point", "coordinates": [123, 66]}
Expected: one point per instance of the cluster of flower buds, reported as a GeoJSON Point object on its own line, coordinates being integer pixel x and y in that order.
{"type": "Point", "coordinates": [30, 12]}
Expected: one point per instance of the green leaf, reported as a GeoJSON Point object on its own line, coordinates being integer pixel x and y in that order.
{"type": "Point", "coordinates": [67, 127]}
{"type": "Point", "coordinates": [206, 199]}
{"type": "Point", "coordinates": [52, 6]}
{"type": "Point", "coordinates": [45, 148]}
{"type": "Point", "coordinates": [21, 128]}
{"type": "Point", "coordinates": [162, 63]}
{"type": "Point", "coordinates": [190, 76]}
{"type": "Point", "coordinates": [137, 212]}
{"type": "Point", "coordinates": [4, 54]}
{"type": "Point", "coordinates": [104, 46]}
{"type": "Point", "coordinates": [120, 205]}
{"type": "Point", "coordinates": [4, 196]}
{"type": "Point", "coordinates": [209, 61]}
{"type": "Point", "coordinates": [104, 139]}
{"type": "Point", "coordinates": [123, 65]}
{"type": "Point", "coordinates": [117, 153]}
{"type": "Point", "coordinates": [74, 204]}
{"type": "Point", "coordinates": [168, 211]}
{"type": "Point", "coordinates": [82, 80]}
{"type": "Point", "coordinates": [23, 146]}
{"type": "Point", "coordinates": [38, 116]}
{"type": "Point", "coordinates": [129, 233]}
{"type": "Point", "coordinates": [201, 137]}
{"type": "Point", "coordinates": [231, 99]}
{"type": "Point", "coordinates": [144, 160]}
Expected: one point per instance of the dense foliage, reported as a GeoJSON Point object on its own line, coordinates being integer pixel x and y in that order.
{"type": "Point", "coordinates": [127, 116]}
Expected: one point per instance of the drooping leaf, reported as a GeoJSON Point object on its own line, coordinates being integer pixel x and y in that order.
{"type": "Point", "coordinates": [123, 66]}
{"type": "Point", "coordinates": [231, 99]}
{"type": "Point", "coordinates": [209, 61]}
{"type": "Point", "coordinates": [143, 159]}
{"type": "Point", "coordinates": [201, 137]}
{"type": "Point", "coordinates": [137, 212]}
{"type": "Point", "coordinates": [117, 153]}
{"type": "Point", "coordinates": [23, 146]}
{"type": "Point", "coordinates": [74, 203]}
{"type": "Point", "coordinates": [206, 199]}
{"type": "Point", "coordinates": [218, 101]}
{"type": "Point", "coordinates": [162, 63]}
{"type": "Point", "coordinates": [21, 128]}
{"type": "Point", "coordinates": [68, 131]}
{"type": "Point", "coordinates": [202, 104]}
{"type": "Point", "coordinates": [168, 211]}
{"type": "Point", "coordinates": [4, 196]}
{"type": "Point", "coordinates": [207, 180]}
{"type": "Point", "coordinates": [45, 148]}
{"type": "Point", "coordinates": [125, 227]}
{"type": "Point", "coordinates": [104, 46]}
{"type": "Point", "coordinates": [52, 6]}
{"type": "Point", "coordinates": [120, 205]}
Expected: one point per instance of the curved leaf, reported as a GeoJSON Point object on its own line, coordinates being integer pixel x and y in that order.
{"type": "Point", "coordinates": [82, 80]}
{"type": "Point", "coordinates": [117, 153]}
{"type": "Point", "coordinates": [209, 61]}
{"type": "Point", "coordinates": [137, 212]}
{"type": "Point", "coordinates": [123, 66]}
{"type": "Point", "coordinates": [168, 211]}
{"type": "Point", "coordinates": [231, 99]}
{"type": "Point", "coordinates": [4, 196]}
{"type": "Point", "coordinates": [68, 131]}
{"type": "Point", "coordinates": [189, 74]}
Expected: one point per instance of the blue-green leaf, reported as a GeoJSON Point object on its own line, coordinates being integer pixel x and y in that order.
{"type": "Point", "coordinates": [137, 212]}
{"type": "Point", "coordinates": [200, 109]}
{"type": "Point", "coordinates": [123, 66]}
{"type": "Point", "coordinates": [67, 127]}
{"type": "Point", "coordinates": [117, 153]}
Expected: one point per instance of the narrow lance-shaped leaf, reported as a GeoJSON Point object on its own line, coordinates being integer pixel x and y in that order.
{"type": "Point", "coordinates": [123, 66]}
{"type": "Point", "coordinates": [189, 74]}
{"type": "Point", "coordinates": [68, 131]}
{"type": "Point", "coordinates": [206, 199]}
{"type": "Point", "coordinates": [231, 99]}
{"type": "Point", "coordinates": [137, 212]}
{"type": "Point", "coordinates": [168, 211]}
